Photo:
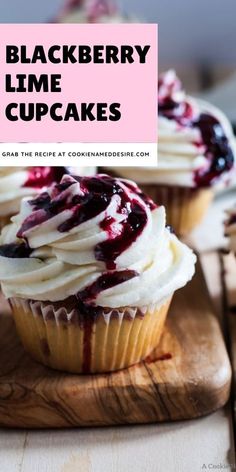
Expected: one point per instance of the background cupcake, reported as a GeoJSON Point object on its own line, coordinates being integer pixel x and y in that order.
{"type": "Point", "coordinates": [91, 11]}
{"type": "Point", "coordinates": [90, 268]}
{"type": "Point", "coordinates": [196, 150]}
{"type": "Point", "coordinates": [19, 182]}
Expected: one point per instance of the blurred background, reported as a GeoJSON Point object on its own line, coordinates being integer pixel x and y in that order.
{"type": "Point", "coordinates": [196, 38]}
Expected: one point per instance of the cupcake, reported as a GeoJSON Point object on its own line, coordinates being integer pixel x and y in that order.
{"type": "Point", "coordinates": [91, 11]}
{"type": "Point", "coordinates": [230, 228]}
{"type": "Point", "coordinates": [89, 268]}
{"type": "Point", "coordinates": [196, 150]}
{"type": "Point", "coordinates": [19, 182]}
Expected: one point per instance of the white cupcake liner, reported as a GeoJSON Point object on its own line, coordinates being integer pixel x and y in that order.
{"type": "Point", "coordinates": [70, 341]}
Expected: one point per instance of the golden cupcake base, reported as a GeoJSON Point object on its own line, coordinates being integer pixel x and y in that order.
{"type": "Point", "coordinates": [185, 207]}
{"type": "Point", "coordinates": [91, 346]}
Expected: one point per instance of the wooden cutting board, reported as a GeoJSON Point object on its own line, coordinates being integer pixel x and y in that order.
{"type": "Point", "coordinates": [186, 377]}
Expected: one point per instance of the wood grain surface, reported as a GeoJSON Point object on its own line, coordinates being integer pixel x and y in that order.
{"type": "Point", "coordinates": [187, 376]}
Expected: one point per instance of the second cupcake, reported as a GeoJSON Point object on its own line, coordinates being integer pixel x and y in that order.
{"type": "Point", "coordinates": [196, 151]}
{"type": "Point", "coordinates": [91, 11]}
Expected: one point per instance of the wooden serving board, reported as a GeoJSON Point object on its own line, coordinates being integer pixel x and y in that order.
{"type": "Point", "coordinates": [229, 283]}
{"type": "Point", "coordinates": [186, 377]}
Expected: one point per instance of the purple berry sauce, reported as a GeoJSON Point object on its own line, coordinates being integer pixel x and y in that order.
{"type": "Point", "coordinates": [95, 197]}
{"type": "Point", "coordinates": [15, 251]}
{"type": "Point", "coordinates": [105, 281]}
{"type": "Point", "coordinates": [39, 177]}
{"type": "Point", "coordinates": [217, 147]}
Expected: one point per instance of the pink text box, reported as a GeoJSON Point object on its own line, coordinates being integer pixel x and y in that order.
{"type": "Point", "coordinates": [132, 85]}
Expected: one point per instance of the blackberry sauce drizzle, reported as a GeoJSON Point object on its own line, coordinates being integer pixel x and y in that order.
{"type": "Point", "coordinates": [105, 281]}
{"type": "Point", "coordinates": [231, 220]}
{"type": "Point", "coordinates": [15, 251]}
{"type": "Point", "coordinates": [93, 198]}
{"type": "Point", "coordinates": [39, 177]}
{"type": "Point", "coordinates": [218, 150]}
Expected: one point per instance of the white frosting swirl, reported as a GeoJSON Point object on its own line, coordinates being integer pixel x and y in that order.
{"type": "Point", "coordinates": [13, 189]}
{"type": "Point", "coordinates": [181, 151]}
{"type": "Point", "coordinates": [64, 263]}
{"type": "Point", "coordinates": [230, 228]}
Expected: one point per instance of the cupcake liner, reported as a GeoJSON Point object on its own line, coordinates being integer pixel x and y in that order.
{"type": "Point", "coordinates": [185, 206]}
{"type": "Point", "coordinates": [68, 340]}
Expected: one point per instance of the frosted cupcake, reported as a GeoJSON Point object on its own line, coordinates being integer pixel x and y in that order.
{"type": "Point", "coordinates": [19, 182]}
{"type": "Point", "coordinates": [196, 150]}
{"type": "Point", "coordinates": [230, 228]}
{"type": "Point", "coordinates": [90, 268]}
{"type": "Point", "coordinates": [91, 11]}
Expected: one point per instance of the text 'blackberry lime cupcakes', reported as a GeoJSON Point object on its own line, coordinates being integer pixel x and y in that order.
{"type": "Point", "coordinates": [90, 268]}
{"type": "Point", "coordinates": [196, 151]}
{"type": "Point", "coordinates": [230, 228]}
{"type": "Point", "coordinates": [19, 182]}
